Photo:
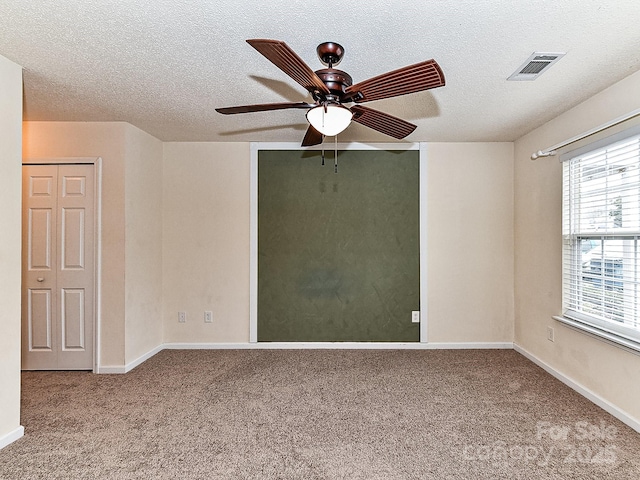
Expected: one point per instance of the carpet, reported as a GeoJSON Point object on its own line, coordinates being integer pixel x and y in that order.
{"type": "Point", "coordinates": [317, 414]}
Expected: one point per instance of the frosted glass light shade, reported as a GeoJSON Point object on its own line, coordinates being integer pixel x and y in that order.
{"type": "Point", "coordinates": [331, 122]}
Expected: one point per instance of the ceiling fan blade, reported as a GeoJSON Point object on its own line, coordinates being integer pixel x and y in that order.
{"type": "Point", "coordinates": [264, 107]}
{"type": "Point", "coordinates": [382, 122]}
{"type": "Point", "coordinates": [409, 79]}
{"type": "Point", "coordinates": [283, 57]}
{"type": "Point", "coordinates": [312, 137]}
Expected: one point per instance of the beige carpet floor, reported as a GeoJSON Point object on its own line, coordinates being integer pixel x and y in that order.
{"type": "Point", "coordinates": [317, 414]}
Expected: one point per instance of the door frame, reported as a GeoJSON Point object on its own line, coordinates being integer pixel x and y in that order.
{"type": "Point", "coordinates": [97, 232]}
{"type": "Point", "coordinates": [253, 213]}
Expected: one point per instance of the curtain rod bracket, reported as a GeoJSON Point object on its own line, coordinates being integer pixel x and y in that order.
{"type": "Point", "coordinates": [540, 153]}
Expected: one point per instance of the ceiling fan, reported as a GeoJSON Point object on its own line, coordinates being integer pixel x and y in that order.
{"type": "Point", "coordinates": [331, 89]}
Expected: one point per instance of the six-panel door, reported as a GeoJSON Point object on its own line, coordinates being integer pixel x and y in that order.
{"type": "Point", "coordinates": [58, 267]}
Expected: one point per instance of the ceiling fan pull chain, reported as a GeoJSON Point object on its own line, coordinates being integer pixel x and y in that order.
{"type": "Point", "coordinates": [323, 157]}
{"type": "Point", "coordinates": [335, 155]}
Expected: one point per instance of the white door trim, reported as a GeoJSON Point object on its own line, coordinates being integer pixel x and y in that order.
{"type": "Point", "coordinates": [253, 222]}
{"type": "Point", "coordinates": [423, 243]}
{"type": "Point", "coordinates": [97, 229]}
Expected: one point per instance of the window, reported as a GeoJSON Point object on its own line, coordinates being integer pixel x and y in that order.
{"type": "Point", "coordinates": [601, 234]}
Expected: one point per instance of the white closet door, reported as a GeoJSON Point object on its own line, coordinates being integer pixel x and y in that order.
{"type": "Point", "coordinates": [58, 267]}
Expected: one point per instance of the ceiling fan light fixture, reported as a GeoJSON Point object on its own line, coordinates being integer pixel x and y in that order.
{"type": "Point", "coordinates": [329, 120]}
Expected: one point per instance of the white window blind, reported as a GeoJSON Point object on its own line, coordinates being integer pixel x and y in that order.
{"type": "Point", "coordinates": [601, 234]}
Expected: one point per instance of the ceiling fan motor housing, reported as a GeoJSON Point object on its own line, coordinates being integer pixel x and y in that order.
{"type": "Point", "coordinates": [335, 80]}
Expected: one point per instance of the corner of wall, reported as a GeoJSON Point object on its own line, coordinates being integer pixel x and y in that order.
{"type": "Point", "coordinates": [10, 249]}
{"type": "Point", "coordinates": [143, 243]}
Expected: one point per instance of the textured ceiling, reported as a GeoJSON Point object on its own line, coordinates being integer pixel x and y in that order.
{"type": "Point", "coordinates": [164, 65]}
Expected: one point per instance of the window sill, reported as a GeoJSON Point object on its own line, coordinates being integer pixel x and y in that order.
{"type": "Point", "coordinates": [604, 335]}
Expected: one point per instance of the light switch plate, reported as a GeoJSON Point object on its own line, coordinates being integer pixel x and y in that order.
{"type": "Point", "coordinates": [415, 316]}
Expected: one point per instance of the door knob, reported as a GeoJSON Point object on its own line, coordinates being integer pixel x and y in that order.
{"type": "Point", "coordinates": [41, 279]}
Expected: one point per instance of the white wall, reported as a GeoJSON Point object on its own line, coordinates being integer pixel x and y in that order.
{"type": "Point", "coordinates": [10, 248]}
{"type": "Point", "coordinates": [206, 241]}
{"type": "Point", "coordinates": [607, 371]}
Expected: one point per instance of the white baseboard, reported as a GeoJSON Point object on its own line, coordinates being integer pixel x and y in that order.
{"type": "Point", "coordinates": [143, 358]}
{"type": "Point", "coordinates": [120, 369]}
{"type": "Point", "coordinates": [111, 369]}
{"type": "Point", "coordinates": [207, 346]}
{"type": "Point", "coordinates": [335, 346]}
{"type": "Point", "coordinates": [470, 345]}
{"type": "Point", "coordinates": [582, 390]}
{"type": "Point", "coordinates": [11, 437]}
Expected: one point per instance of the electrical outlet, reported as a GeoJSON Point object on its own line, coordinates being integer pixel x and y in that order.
{"type": "Point", "coordinates": [551, 334]}
{"type": "Point", "coordinates": [182, 317]}
{"type": "Point", "coordinates": [415, 316]}
{"type": "Point", "coordinates": [208, 317]}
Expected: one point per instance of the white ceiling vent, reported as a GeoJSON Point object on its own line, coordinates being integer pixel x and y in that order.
{"type": "Point", "coordinates": [535, 65]}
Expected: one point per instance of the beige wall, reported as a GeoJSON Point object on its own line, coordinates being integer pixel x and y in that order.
{"type": "Point", "coordinates": [206, 241]}
{"type": "Point", "coordinates": [10, 244]}
{"type": "Point", "coordinates": [143, 243]}
{"type": "Point", "coordinates": [105, 140]}
{"type": "Point", "coordinates": [470, 242]}
{"type": "Point", "coordinates": [606, 370]}
{"type": "Point", "coordinates": [131, 207]}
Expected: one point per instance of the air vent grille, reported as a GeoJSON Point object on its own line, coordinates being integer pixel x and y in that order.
{"type": "Point", "coordinates": [534, 68]}
{"type": "Point", "coordinates": [535, 65]}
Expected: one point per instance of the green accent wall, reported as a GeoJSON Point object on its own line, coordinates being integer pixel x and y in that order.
{"type": "Point", "coordinates": [338, 254]}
